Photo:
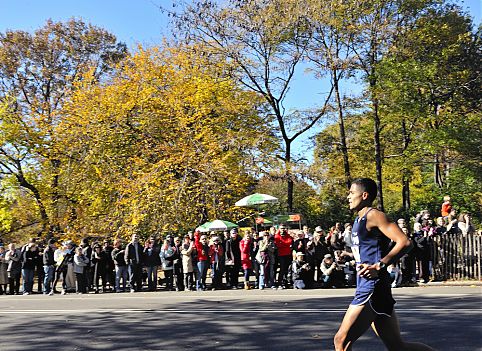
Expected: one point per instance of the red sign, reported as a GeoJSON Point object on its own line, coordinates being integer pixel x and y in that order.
{"type": "Point", "coordinates": [259, 220]}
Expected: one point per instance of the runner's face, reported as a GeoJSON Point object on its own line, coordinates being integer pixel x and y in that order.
{"type": "Point", "coordinates": [355, 197]}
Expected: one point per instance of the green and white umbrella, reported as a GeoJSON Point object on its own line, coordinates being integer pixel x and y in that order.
{"type": "Point", "coordinates": [216, 225]}
{"type": "Point", "coordinates": [203, 228]}
{"type": "Point", "coordinates": [256, 199]}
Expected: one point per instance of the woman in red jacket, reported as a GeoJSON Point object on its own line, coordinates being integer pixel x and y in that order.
{"type": "Point", "coordinates": [245, 248]}
{"type": "Point", "coordinates": [284, 244]}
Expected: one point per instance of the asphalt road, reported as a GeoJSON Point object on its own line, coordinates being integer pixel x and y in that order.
{"type": "Point", "coordinates": [447, 318]}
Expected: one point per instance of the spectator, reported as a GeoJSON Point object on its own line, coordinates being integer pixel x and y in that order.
{"type": "Point", "coordinates": [347, 235]}
{"type": "Point", "coordinates": [216, 253]}
{"type": "Point", "coordinates": [3, 271]}
{"type": "Point", "coordinates": [202, 249]}
{"type": "Point", "coordinates": [39, 268]}
{"type": "Point", "coordinates": [300, 269]}
{"type": "Point", "coordinates": [133, 258]}
{"type": "Point", "coordinates": [332, 274]}
{"type": "Point", "coordinates": [225, 239]}
{"type": "Point", "coordinates": [336, 238]}
{"type": "Point", "coordinates": [14, 269]}
{"type": "Point", "coordinates": [187, 264]}
{"type": "Point", "coordinates": [299, 244]}
{"type": "Point", "coordinates": [440, 226]}
{"type": "Point", "coordinates": [64, 259]}
{"type": "Point", "coordinates": [395, 275]}
{"type": "Point", "coordinates": [284, 244]}
{"type": "Point", "coordinates": [151, 261]}
{"type": "Point", "coordinates": [262, 259]}
{"type": "Point", "coordinates": [401, 223]}
{"type": "Point", "coordinates": [320, 250]}
{"type": "Point", "coordinates": [422, 251]}
{"type": "Point", "coordinates": [110, 267]}
{"type": "Point", "coordinates": [167, 259]}
{"type": "Point", "coordinates": [121, 271]}
{"type": "Point", "coordinates": [465, 224]}
{"type": "Point", "coordinates": [30, 258]}
{"type": "Point", "coordinates": [80, 262]}
{"type": "Point", "coordinates": [178, 272]}
{"type": "Point", "coordinates": [246, 260]}
{"type": "Point", "coordinates": [99, 267]}
{"type": "Point", "coordinates": [88, 270]}
{"type": "Point", "coordinates": [49, 267]}
{"type": "Point", "coordinates": [452, 222]}
{"type": "Point", "coordinates": [408, 263]}
{"type": "Point", "coordinates": [446, 206]}
{"type": "Point", "coordinates": [233, 259]}
{"type": "Point", "coordinates": [254, 251]}
{"type": "Point", "coordinates": [307, 234]}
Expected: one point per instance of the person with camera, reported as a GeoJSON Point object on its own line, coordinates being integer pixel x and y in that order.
{"type": "Point", "coordinates": [216, 253]}
{"type": "Point", "coordinates": [332, 272]}
{"type": "Point", "coordinates": [300, 269]}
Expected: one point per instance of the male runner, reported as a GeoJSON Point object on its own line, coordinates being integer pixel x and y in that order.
{"type": "Point", "coordinates": [373, 302]}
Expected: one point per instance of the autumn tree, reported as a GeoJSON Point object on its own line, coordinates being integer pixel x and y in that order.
{"type": "Point", "coordinates": [168, 143]}
{"type": "Point", "coordinates": [37, 73]}
{"type": "Point", "coordinates": [266, 42]}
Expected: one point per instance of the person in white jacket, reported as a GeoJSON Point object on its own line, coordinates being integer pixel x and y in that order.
{"type": "Point", "coordinates": [80, 262]}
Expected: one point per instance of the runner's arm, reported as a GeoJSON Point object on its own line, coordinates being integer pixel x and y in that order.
{"type": "Point", "coordinates": [377, 219]}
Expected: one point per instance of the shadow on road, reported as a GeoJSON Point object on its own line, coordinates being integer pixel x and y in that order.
{"type": "Point", "coordinates": [257, 325]}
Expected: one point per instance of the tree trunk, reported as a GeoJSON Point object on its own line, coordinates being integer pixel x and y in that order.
{"type": "Point", "coordinates": [437, 174]}
{"type": "Point", "coordinates": [288, 175]}
{"type": "Point", "coordinates": [341, 124]}
{"type": "Point", "coordinates": [55, 225]}
{"type": "Point", "coordinates": [43, 212]}
{"type": "Point", "coordinates": [378, 153]}
{"type": "Point", "coordinates": [406, 197]}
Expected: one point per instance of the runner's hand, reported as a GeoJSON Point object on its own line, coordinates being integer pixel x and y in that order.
{"type": "Point", "coordinates": [368, 271]}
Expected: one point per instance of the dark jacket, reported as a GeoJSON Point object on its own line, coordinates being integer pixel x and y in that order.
{"type": "Point", "coordinates": [99, 261]}
{"type": "Point", "coordinates": [130, 253]}
{"type": "Point", "coordinates": [151, 256]}
{"type": "Point", "coordinates": [118, 257]}
{"type": "Point", "coordinates": [232, 247]}
{"type": "Point", "coordinates": [48, 257]}
{"type": "Point", "coordinates": [30, 259]}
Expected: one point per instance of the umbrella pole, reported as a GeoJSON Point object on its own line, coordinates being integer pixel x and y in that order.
{"type": "Point", "coordinates": [255, 221]}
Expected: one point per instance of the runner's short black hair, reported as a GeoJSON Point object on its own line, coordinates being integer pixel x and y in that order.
{"type": "Point", "coordinates": [367, 185]}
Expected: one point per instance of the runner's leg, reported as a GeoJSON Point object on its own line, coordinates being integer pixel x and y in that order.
{"type": "Point", "coordinates": [388, 330]}
{"type": "Point", "coordinates": [356, 321]}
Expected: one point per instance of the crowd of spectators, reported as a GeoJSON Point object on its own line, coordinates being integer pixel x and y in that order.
{"type": "Point", "coordinates": [277, 258]}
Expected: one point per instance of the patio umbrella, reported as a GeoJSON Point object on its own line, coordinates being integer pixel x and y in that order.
{"type": "Point", "coordinates": [203, 228]}
{"type": "Point", "coordinates": [216, 225]}
{"type": "Point", "coordinates": [256, 199]}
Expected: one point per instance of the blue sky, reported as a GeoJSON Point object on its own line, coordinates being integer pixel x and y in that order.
{"type": "Point", "coordinates": [141, 22]}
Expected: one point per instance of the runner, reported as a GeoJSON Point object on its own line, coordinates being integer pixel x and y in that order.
{"type": "Point", "coordinates": [373, 302]}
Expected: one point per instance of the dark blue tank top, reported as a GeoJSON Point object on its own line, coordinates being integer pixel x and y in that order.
{"type": "Point", "coordinates": [368, 246]}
